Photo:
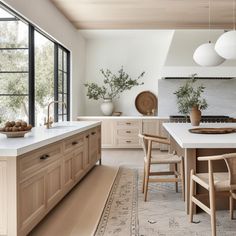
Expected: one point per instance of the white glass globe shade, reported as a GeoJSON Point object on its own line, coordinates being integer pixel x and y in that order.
{"type": "Point", "coordinates": [205, 55]}
{"type": "Point", "coordinates": [226, 45]}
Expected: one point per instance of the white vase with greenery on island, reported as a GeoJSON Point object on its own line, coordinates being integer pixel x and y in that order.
{"type": "Point", "coordinates": [113, 86]}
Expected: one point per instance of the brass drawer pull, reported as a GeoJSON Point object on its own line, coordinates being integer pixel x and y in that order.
{"type": "Point", "coordinates": [74, 143]}
{"type": "Point", "coordinates": [128, 123]}
{"type": "Point", "coordinates": [87, 136]}
{"type": "Point", "coordinates": [44, 157]}
{"type": "Point", "coordinates": [128, 141]}
{"type": "Point", "coordinates": [93, 133]}
{"type": "Point", "coordinates": [128, 131]}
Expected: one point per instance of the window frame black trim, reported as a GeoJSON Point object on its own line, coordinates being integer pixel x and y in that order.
{"type": "Point", "coordinates": [31, 72]}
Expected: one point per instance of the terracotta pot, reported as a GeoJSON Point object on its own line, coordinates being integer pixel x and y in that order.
{"type": "Point", "coordinates": [195, 116]}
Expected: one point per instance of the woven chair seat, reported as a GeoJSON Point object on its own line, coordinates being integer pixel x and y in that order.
{"type": "Point", "coordinates": [221, 180]}
{"type": "Point", "coordinates": [165, 159]}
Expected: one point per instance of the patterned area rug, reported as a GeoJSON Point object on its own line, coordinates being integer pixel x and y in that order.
{"type": "Point", "coordinates": [126, 214]}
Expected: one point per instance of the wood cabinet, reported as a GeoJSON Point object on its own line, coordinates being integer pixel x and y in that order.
{"type": "Point", "coordinates": [126, 133]}
{"type": "Point", "coordinates": [151, 127]}
{"type": "Point", "coordinates": [44, 176]}
{"type": "Point", "coordinates": [31, 201]}
{"type": "Point", "coordinates": [123, 133]}
{"type": "Point", "coordinates": [163, 132]}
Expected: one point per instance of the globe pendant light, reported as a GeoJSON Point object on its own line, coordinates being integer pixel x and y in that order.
{"type": "Point", "coordinates": [205, 54]}
{"type": "Point", "coordinates": [226, 43]}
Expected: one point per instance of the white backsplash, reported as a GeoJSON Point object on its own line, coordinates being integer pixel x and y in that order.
{"type": "Point", "coordinates": [220, 96]}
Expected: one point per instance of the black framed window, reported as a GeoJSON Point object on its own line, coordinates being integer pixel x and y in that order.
{"type": "Point", "coordinates": [34, 70]}
{"type": "Point", "coordinates": [63, 83]}
{"type": "Point", "coordinates": [14, 69]}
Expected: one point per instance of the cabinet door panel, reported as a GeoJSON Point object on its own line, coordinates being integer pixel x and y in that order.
{"type": "Point", "coordinates": [86, 151]}
{"type": "Point", "coordinates": [93, 146]}
{"type": "Point", "coordinates": [68, 173]}
{"type": "Point", "coordinates": [32, 200]}
{"type": "Point", "coordinates": [99, 143]}
{"type": "Point", "coordinates": [107, 133]}
{"type": "Point", "coordinates": [54, 183]}
{"type": "Point", "coordinates": [77, 163]}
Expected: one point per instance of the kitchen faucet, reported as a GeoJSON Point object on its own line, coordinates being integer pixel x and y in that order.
{"type": "Point", "coordinates": [49, 121]}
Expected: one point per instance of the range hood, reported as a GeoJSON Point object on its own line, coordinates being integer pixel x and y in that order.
{"type": "Point", "coordinates": [179, 61]}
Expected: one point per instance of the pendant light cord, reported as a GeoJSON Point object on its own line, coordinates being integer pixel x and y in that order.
{"type": "Point", "coordinates": [209, 20]}
{"type": "Point", "coordinates": [234, 20]}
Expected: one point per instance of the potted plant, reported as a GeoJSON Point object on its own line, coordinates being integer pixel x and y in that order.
{"type": "Point", "coordinates": [113, 86]}
{"type": "Point", "coordinates": [190, 101]}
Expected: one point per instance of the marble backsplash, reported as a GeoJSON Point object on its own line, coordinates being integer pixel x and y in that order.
{"type": "Point", "coordinates": [220, 95]}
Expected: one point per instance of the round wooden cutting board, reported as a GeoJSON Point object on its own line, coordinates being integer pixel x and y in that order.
{"type": "Point", "coordinates": [212, 130]}
{"type": "Point", "coordinates": [146, 102]}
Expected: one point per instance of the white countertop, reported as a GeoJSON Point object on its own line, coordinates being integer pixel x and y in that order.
{"type": "Point", "coordinates": [40, 136]}
{"type": "Point", "coordinates": [179, 131]}
{"type": "Point", "coordinates": [123, 117]}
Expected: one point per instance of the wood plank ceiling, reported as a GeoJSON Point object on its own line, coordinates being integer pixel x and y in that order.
{"type": "Point", "coordinates": [147, 14]}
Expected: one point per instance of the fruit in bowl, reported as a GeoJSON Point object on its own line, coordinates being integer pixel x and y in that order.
{"type": "Point", "coordinates": [15, 128]}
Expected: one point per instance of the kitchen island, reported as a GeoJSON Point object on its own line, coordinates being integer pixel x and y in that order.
{"type": "Point", "coordinates": [191, 146]}
{"type": "Point", "coordinates": [37, 171]}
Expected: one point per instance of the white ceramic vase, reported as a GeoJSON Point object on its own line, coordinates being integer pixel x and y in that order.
{"type": "Point", "coordinates": [107, 107]}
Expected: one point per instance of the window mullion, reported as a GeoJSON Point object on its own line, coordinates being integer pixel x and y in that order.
{"type": "Point", "coordinates": [31, 76]}
{"type": "Point", "coordinates": [68, 85]}
{"type": "Point", "coordinates": [56, 81]}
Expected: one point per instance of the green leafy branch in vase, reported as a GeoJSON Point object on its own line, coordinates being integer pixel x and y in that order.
{"type": "Point", "coordinates": [113, 85]}
{"type": "Point", "coordinates": [189, 96]}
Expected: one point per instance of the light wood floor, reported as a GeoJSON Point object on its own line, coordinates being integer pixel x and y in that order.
{"type": "Point", "coordinates": [79, 212]}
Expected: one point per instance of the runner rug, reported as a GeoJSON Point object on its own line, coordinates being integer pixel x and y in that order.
{"type": "Point", "coordinates": [126, 214]}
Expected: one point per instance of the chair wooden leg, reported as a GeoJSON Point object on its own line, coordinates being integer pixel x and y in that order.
{"type": "Point", "coordinates": [212, 200]}
{"type": "Point", "coordinates": [176, 176]}
{"type": "Point", "coordinates": [192, 189]}
{"type": "Point", "coordinates": [146, 181]}
{"type": "Point", "coordinates": [231, 207]}
{"type": "Point", "coordinates": [144, 174]}
{"type": "Point", "coordinates": [182, 179]}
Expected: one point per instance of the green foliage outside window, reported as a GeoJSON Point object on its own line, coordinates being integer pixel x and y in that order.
{"type": "Point", "coordinates": [17, 83]}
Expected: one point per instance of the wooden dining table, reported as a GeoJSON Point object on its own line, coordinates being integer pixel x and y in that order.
{"type": "Point", "coordinates": [191, 145]}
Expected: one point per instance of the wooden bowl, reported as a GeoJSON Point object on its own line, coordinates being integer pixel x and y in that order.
{"type": "Point", "coordinates": [18, 134]}
{"type": "Point", "coordinates": [146, 103]}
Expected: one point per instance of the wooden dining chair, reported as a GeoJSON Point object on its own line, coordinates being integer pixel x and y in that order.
{"type": "Point", "coordinates": [214, 183]}
{"type": "Point", "coordinates": [150, 160]}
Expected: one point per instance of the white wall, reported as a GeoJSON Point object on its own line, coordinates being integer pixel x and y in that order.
{"type": "Point", "coordinates": [184, 44]}
{"type": "Point", "coordinates": [220, 96]}
{"type": "Point", "coordinates": [137, 51]}
{"type": "Point", "coordinates": [47, 17]}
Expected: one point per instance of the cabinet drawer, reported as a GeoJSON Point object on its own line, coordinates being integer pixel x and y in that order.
{"type": "Point", "coordinates": [128, 123]}
{"type": "Point", "coordinates": [74, 142]}
{"type": "Point", "coordinates": [127, 141]}
{"type": "Point", "coordinates": [128, 132]}
{"type": "Point", "coordinates": [34, 161]}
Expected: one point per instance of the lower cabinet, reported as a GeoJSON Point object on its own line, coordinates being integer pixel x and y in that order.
{"type": "Point", "coordinates": [54, 183]}
{"type": "Point", "coordinates": [123, 133]}
{"type": "Point", "coordinates": [50, 173]}
{"type": "Point", "coordinates": [68, 172]}
{"type": "Point", "coordinates": [77, 163]}
{"type": "Point", "coordinates": [151, 127]}
{"type": "Point", "coordinates": [31, 202]}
